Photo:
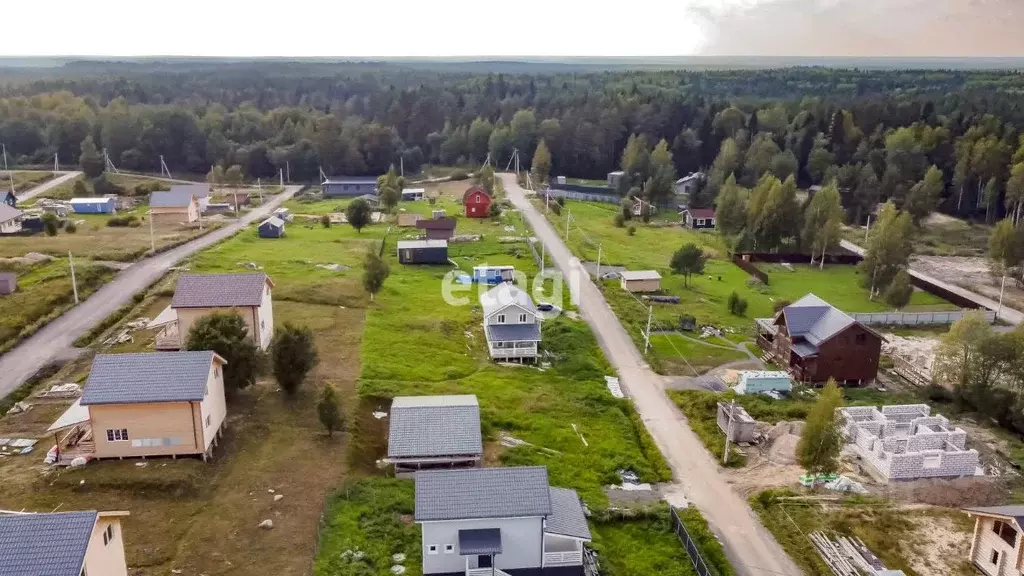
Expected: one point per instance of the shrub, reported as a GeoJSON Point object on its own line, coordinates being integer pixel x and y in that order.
{"type": "Point", "coordinates": [325, 221]}
{"type": "Point", "coordinates": [620, 220]}
{"type": "Point", "coordinates": [130, 220]}
{"type": "Point", "coordinates": [737, 305]}
{"type": "Point", "coordinates": [646, 216]}
{"type": "Point", "coordinates": [494, 211]}
{"type": "Point", "coordinates": [459, 174]}
{"type": "Point", "coordinates": [780, 304]}
{"type": "Point", "coordinates": [70, 227]}
{"type": "Point", "coordinates": [555, 207]}
{"type": "Point", "coordinates": [631, 230]}
{"type": "Point", "coordinates": [51, 224]}
{"type": "Point", "coordinates": [560, 200]}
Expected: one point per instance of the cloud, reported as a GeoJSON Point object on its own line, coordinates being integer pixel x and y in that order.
{"type": "Point", "coordinates": [900, 28]}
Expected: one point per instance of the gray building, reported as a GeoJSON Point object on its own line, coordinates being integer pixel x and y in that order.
{"type": "Point", "coordinates": [349, 186]}
{"type": "Point", "coordinates": [499, 521]}
{"type": "Point", "coordinates": [434, 432]}
{"type": "Point", "coordinates": [511, 323]}
{"type": "Point", "coordinates": [272, 227]}
{"type": "Point", "coordinates": [8, 283]}
{"type": "Point", "coordinates": [423, 251]}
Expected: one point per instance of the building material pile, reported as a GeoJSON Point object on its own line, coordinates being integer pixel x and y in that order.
{"type": "Point", "coordinates": [849, 556]}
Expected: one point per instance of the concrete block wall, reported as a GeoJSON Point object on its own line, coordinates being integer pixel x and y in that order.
{"type": "Point", "coordinates": [957, 438]}
{"type": "Point", "coordinates": [910, 466]}
{"type": "Point", "coordinates": [927, 441]}
{"type": "Point", "coordinates": [905, 412]}
{"type": "Point", "coordinates": [926, 421]}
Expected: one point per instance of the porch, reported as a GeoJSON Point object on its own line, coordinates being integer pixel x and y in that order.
{"type": "Point", "coordinates": [562, 551]}
{"type": "Point", "coordinates": [73, 437]}
{"type": "Point", "coordinates": [168, 338]}
{"type": "Point", "coordinates": [513, 350]}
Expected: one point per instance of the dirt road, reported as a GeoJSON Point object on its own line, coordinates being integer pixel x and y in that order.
{"type": "Point", "coordinates": [49, 184]}
{"type": "Point", "coordinates": [751, 549]}
{"type": "Point", "coordinates": [55, 339]}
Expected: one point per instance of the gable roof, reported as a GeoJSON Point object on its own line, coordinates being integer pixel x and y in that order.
{"type": "Point", "coordinates": [640, 275]}
{"type": "Point", "coordinates": [219, 290]}
{"type": "Point", "coordinates": [814, 319]}
{"type": "Point", "coordinates": [504, 295]}
{"type": "Point", "coordinates": [272, 221]}
{"type": "Point", "coordinates": [51, 544]}
{"type": "Point", "coordinates": [92, 200]}
{"type": "Point", "coordinates": [7, 212]}
{"type": "Point", "coordinates": [434, 426]}
{"type": "Point", "coordinates": [200, 190]}
{"type": "Point", "coordinates": [1013, 511]}
{"type": "Point", "coordinates": [416, 244]}
{"type": "Point", "coordinates": [148, 377]}
{"type": "Point", "coordinates": [482, 493]}
{"type": "Point", "coordinates": [473, 189]}
{"type": "Point", "coordinates": [171, 198]}
{"type": "Point", "coordinates": [567, 517]}
{"type": "Point", "coordinates": [700, 212]}
{"type": "Point", "coordinates": [436, 223]}
{"type": "Point", "coordinates": [351, 180]}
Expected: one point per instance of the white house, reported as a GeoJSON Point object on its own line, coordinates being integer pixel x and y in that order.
{"type": "Point", "coordinates": [197, 295]}
{"type": "Point", "coordinates": [687, 185]}
{"type": "Point", "coordinates": [996, 547]}
{"type": "Point", "coordinates": [511, 323]}
{"type": "Point", "coordinates": [10, 219]}
{"type": "Point", "coordinates": [62, 544]}
{"type": "Point", "coordinates": [413, 194]}
{"type": "Point", "coordinates": [499, 522]}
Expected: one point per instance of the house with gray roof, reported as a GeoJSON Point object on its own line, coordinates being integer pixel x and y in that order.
{"type": "Point", "coordinates": [200, 190]}
{"type": "Point", "coordinates": [816, 341]}
{"type": "Point", "coordinates": [511, 323]}
{"type": "Point", "coordinates": [180, 206]}
{"type": "Point", "coordinates": [427, 432]}
{"type": "Point", "coordinates": [996, 547]}
{"type": "Point", "coordinates": [196, 295]}
{"type": "Point", "coordinates": [10, 219]}
{"type": "Point", "coordinates": [499, 521]}
{"type": "Point", "coordinates": [62, 544]}
{"type": "Point", "coordinates": [145, 404]}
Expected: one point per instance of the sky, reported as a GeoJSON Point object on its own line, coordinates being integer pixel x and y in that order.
{"type": "Point", "coordinates": [402, 28]}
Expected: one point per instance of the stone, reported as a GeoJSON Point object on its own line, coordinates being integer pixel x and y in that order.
{"type": "Point", "coordinates": [278, 497]}
{"type": "Point", "coordinates": [267, 524]}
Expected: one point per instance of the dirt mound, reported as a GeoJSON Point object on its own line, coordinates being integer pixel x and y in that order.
{"type": "Point", "coordinates": [28, 260]}
{"type": "Point", "coordinates": [783, 449]}
{"type": "Point", "coordinates": [954, 493]}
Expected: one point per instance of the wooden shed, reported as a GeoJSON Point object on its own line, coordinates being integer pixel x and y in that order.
{"type": "Point", "coordinates": [437, 228]}
{"type": "Point", "coordinates": [640, 280]}
{"type": "Point", "coordinates": [272, 227]}
{"type": "Point", "coordinates": [423, 251]}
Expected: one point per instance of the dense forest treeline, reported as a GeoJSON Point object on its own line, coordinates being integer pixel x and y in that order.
{"type": "Point", "coordinates": [876, 132]}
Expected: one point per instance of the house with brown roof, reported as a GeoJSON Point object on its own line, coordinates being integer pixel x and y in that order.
{"type": "Point", "coordinates": [62, 544]}
{"type": "Point", "coordinates": [698, 218]}
{"type": "Point", "coordinates": [198, 295]}
{"type": "Point", "coordinates": [437, 228]}
{"type": "Point", "coordinates": [477, 202]}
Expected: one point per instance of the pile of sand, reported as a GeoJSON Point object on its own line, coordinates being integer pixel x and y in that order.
{"type": "Point", "coordinates": [782, 441]}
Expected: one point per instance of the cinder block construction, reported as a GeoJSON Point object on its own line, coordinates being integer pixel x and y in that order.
{"type": "Point", "coordinates": [905, 442]}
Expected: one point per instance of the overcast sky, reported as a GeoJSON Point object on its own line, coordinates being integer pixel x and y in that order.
{"type": "Point", "coordinates": [340, 28]}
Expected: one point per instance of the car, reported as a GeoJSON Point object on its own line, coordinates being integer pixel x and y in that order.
{"type": "Point", "coordinates": [545, 307]}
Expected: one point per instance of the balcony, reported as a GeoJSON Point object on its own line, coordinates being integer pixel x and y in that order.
{"type": "Point", "coordinates": [574, 558]}
{"type": "Point", "coordinates": [562, 551]}
{"type": "Point", "coordinates": [513, 350]}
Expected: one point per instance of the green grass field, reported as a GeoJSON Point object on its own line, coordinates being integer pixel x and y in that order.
{"type": "Point", "coordinates": [23, 180]}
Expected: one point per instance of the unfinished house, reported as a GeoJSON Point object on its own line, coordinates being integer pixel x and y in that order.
{"type": "Point", "coordinates": [434, 432]}
{"type": "Point", "coordinates": [905, 442]}
{"type": "Point", "coordinates": [740, 427]}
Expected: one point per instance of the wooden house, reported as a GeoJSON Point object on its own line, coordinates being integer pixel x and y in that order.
{"type": "Point", "coordinates": [698, 218]}
{"type": "Point", "coordinates": [174, 207]}
{"type": "Point", "coordinates": [272, 227]}
{"type": "Point", "coordinates": [428, 432]}
{"type": "Point", "coordinates": [62, 544]}
{"type": "Point", "coordinates": [437, 228]}
{"type": "Point", "coordinates": [423, 251]}
{"type": "Point", "coordinates": [996, 547]}
{"type": "Point", "coordinates": [511, 323]}
{"type": "Point", "coordinates": [640, 280]}
{"type": "Point", "coordinates": [198, 295]}
{"type": "Point", "coordinates": [477, 202]}
{"type": "Point", "coordinates": [349, 186]}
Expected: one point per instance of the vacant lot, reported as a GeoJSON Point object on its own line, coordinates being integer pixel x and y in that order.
{"type": "Point", "coordinates": [23, 180]}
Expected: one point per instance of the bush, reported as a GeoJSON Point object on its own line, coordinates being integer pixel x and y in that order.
{"type": "Point", "coordinates": [325, 221]}
{"type": "Point", "coordinates": [737, 305]}
{"type": "Point", "coordinates": [70, 227]}
{"type": "Point", "coordinates": [555, 207]}
{"type": "Point", "coordinates": [631, 230]}
{"type": "Point", "coordinates": [560, 200]}
{"type": "Point", "coordinates": [494, 210]}
{"type": "Point", "coordinates": [780, 304]}
{"type": "Point", "coordinates": [51, 224]}
{"type": "Point", "coordinates": [619, 220]}
{"type": "Point", "coordinates": [130, 220]}
{"type": "Point", "coordinates": [459, 174]}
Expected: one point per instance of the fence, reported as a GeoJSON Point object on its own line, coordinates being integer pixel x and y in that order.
{"type": "Point", "coordinates": [585, 196]}
{"type": "Point", "coordinates": [692, 551]}
{"type": "Point", "coordinates": [749, 268]}
{"type": "Point", "coordinates": [914, 318]}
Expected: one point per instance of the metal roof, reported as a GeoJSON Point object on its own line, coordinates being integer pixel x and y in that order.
{"type": "Point", "coordinates": [351, 180]}
{"type": "Point", "coordinates": [51, 544]}
{"type": "Point", "coordinates": [567, 517]}
{"type": "Point", "coordinates": [8, 212]}
{"type": "Point", "coordinates": [814, 319]}
{"type": "Point", "coordinates": [96, 200]}
{"type": "Point", "coordinates": [640, 275]}
{"type": "Point", "coordinates": [200, 190]}
{"type": "Point", "coordinates": [171, 198]}
{"type": "Point", "coordinates": [148, 377]}
{"type": "Point", "coordinates": [513, 332]}
{"type": "Point", "coordinates": [219, 290]}
{"type": "Point", "coordinates": [75, 414]}
{"type": "Point", "coordinates": [1013, 511]}
{"type": "Point", "coordinates": [479, 541]}
{"type": "Point", "coordinates": [434, 426]}
{"type": "Point", "coordinates": [412, 244]}
{"type": "Point", "coordinates": [436, 223]}
{"type": "Point", "coordinates": [504, 295]}
{"type": "Point", "coordinates": [701, 212]}
{"type": "Point", "coordinates": [482, 493]}
{"type": "Point", "coordinates": [273, 221]}
{"type": "Point", "coordinates": [805, 349]}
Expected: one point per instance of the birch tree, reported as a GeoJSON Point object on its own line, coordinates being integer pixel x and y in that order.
{"type": "Point", "coordinates": [822, 220]}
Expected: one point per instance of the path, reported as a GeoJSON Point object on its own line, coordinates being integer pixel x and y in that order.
{"type": "Point", "coordinates": [55, 339]}
{"type": "Point", "coordinates": [1008, 314]}
{"type": "Point", "coordinates": [48, 185]}
{"type": "Point", "coordinates": [750, 548]}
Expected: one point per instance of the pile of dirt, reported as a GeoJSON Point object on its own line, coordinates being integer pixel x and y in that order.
{"type": "Point", "coordinates": [781, 441]}
{"type": "Point", "coordinates": [952, 493]}
{"type": "Point", "coordinates": [28, 260]}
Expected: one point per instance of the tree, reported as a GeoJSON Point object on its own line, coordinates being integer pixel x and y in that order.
{"type": "Point", "coordinates": [900, 290]}
{"type": "Point", "coordinates": [485, 178]}
{"type": "Point", "coordinates": [215, 177]}
{"type": "Point", "coordinates": [636, 160]}
{"type": "Point", "coordinates": [375, 271]}
{"type": "Point", "coordinates": [523, 131]}
{"type": "Point", "coordinates": [958, 355]}
{"type": "Point", "coordinates": [731, 211]}
{"type": "Point", "coordinates": [661, 185]}
{"type": "Point", "coordinates": [778, 219]}
{"type": "Point", "coordinates": [330, 414]}
{"type": "Point", "coordinates": [924, 196]}
{"type": "Point", "coordinates": [819, 160]}
{"type": "Point", "coordinates": [541, 164]}
{"type": "Point", "coordinates": [784, 165]}
{"type": "Point", "coordinates": [358, 214]}
{"type": "Point", "coordinates": [1005, 251]}
{"type": "Point", "coordinates": [729, 121]}
{"type": "Point", "coordinates": [91, 161]}
{"type": "Point", "coordinates": [479, 135]}
{"type": "Point", "coordinates": [688, 260]}
{"type": "Point", "coordinates": [228, 336]}
{"type": "Point", "coordinates": [725, 164]}
{"type": "Point", "coordinates": [889, 249]}
{"type": "Point", "coordinates": [293, 354]}
{"type": "Point", "coordinates": [51, 224]}
{"type": "Point", "coordinates": [865, 196]}
{"type": "Point", "coordinates": [79, 189]}
{"type": "Point", "coordinates": [1015, 191]}
{"type": "Point", "coordinates": [233, 176]}
{"type": "Point", "coordinates": [389, 196]}
{"type": "Point", "coordinates": [821, 442]}
{"type": "Point", "coordinates": [760, 156]}
{"type": "Point", "coordinates": [822, 221]}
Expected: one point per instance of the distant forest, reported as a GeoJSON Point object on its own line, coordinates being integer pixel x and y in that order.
{"type": "Point", "coordinates": [876, 132]}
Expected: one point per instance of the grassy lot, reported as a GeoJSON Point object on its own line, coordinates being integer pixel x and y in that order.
{"type": "Point", "coordinates": [940, 235]}
{"type": "Point", "coordinates": [669, 351]}
{"type": "Point", "coordinates": [23, 180]}
{"type": "Point", "coordinates": [895, 535]}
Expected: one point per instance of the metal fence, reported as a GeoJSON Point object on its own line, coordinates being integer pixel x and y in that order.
{"type": "Point", "coordinates": [914, 318]}
{"type": "Point", "coordinates": [692, 551]}
{"type": "Point", "coordinates": [585, 196]}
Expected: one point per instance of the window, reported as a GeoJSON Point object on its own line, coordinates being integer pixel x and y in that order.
{"type": "Point", "coordinates": [501, 318]}
{"type": "Point", "coordinates": [110, 532]}
{"type": "Point", "coordinates": [432, 549]}
{"type": "Point", "coordinates": [995, 557]}
{"type": "Point", "coordinates": [522, 318]}
{"type": "Point", "coordinates": [449, 549]}
{"type": "Point", "coordinates": [117, 435]}
{"type": "Point", "coordinates": [1006, 532]}
{"type": "Point", "coordinates": [698, 222]}
{"type": "Point", "coordinates": [861, 339]}
{"type": "Point", "coordinates": [479, 199]}
{"type": "Point", "coordinates": [207, 420]}
{"type": "Point", "coordinates": [106, 539]}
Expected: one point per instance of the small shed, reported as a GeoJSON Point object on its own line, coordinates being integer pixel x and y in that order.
{"type": "Point", "coordinates": [493, 274]}
{"type": "Point", "coordinates": [423, 251]}
{"type": "Point", "coordinates": [283, 214]}
{"type": "Point", "coordinates": [741, 428]}
{"type": "Point", "coordinates": [640, 280]}
{"type": "Point", "coordinates": [613, 179]}
{"type": "Point", "coordinates": [477, 202]}
{"type": "Point", "coordinates": [8, 283]}
{"type": "Point", "coordinates": [94, 205]}
{"type": "Point", "coordinates": [758, 381]}
{"type": "Point", "coordinates": [272, 227]}
{"type": "Point", "coordinates": [437, 229]}
{"type": "Point", "coordinates": [408, 220]}
{"type": "Point", "coordinates": [413, 194]}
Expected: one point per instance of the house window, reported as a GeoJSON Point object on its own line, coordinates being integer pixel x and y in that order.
{"type": "Point", "coordinates": [861, 339]}
{"type": "Point", "coordinates": [207, 420]}
{"type": "Point", "coordinates": [110, 532]}
{"type": "Point", "coordinates": [522, 318]}
{"type": "Point", "coordinates": [432, 549]}
{"type": "Point", "coordinates": [995, 557]}
{"type": "Point", "coordinates": [117, 434]}
{"type": "Point", "coordinates": [1006, 532]}
{"type": "Point", "coordinates": [263, 324]}
{"type": "Point", "coordinates": [449, 549]}
{"type": "Point", "coordinates": [699, 222]}
{"type": "Point", "coordinates": [479, 199]}
{"type": "Point", "coordinates": [501, 318]}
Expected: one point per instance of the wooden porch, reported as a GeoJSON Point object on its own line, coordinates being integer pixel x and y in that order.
{"type": "Point", "coordinates": [168, 338]}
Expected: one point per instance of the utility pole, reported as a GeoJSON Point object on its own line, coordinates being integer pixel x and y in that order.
{"type": "Point", "coordinates": [401, 166]}
{"type": "Point", "coordinates": [163, 168]}
{"type": "Point", "coordinates": [323, 177]}
{"type": "Point", "coordinates": [259, 187]}
{"type": "Point", "coordinates": [152, 238]}
{"type": "Point", "coordinates": [74, 283]}
{"type": "Point", "coordinates": [728, 434]}
{"type": "Point", "coordinates": [110, 165]}
{"type": "Point", "coordinates": [542, 257]}
{"type": "Point", "coordinates": [56, 165]}
{"type": "Point", "coordinates": [10, 174]}
{"type": "Point", "coordinates": [568, 215]}
{"type": "Point", "coordinates": [867, 229]}
{"type": "Point", "coordinates": [647, 334]}
{"type": "Point", "coordinates": [598, 275]}
{"type": "Point", "coordinates": [280, 174]}
{"type": "Point", "coordinates": [1002, 285]}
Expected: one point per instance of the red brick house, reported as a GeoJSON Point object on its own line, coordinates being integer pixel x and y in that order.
{"type": "Point", "coordinates": [477, 202]}
{"type": "Point", "coordinates": [815, 341]}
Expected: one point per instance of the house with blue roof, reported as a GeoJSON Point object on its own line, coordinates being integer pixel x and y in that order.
{"type": "Point", "coordinates": [815, 341]}
{"type": "Point", "coordinates": [62, 544]}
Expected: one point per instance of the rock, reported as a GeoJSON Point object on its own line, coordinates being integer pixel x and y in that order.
{"type": "Point", "coordinates": [398, 569]}
{"type": "Point", "coordinates": [278, 497]}
{"type": "Point", "coordinates": [77, 463]}
{"type": "Point", "coordinates": [271, 490]}
{"type": "Point", "coordinates": [398, 558]}
{"type": "Point", "coordinates": [267, 524]}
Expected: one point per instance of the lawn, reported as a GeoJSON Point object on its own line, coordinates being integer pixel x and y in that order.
{"type": "Point", "coordinates": [940, 235]}
{"type": "Point", "coordinates": [668, 352]}
{"type": "Point", "coordinates": [23, 180]}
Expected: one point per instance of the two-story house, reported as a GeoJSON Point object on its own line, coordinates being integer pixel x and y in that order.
{"type": "Point", "coordinates": [62, 544]}
{"type": "Point", "coordinates": [499, 522]}
{"type": "Point", "coordinates": [198, 295]}
{"type": "Point", "coordinates": [511, 323]}
{"type": "Point", "coordinates": [996, 548]}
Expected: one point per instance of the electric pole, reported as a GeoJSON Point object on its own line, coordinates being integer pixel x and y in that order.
{"type": "Point", "coordinates": [598, 275]}
{"type": "Point", "coordinates": [110, 165]}
{"type": "Point", "coordinates": [867, 229]}
{"type": "Point", "coordinates": [10, 175]}
{"type": "Point", "coordinates": [164, 169]}
{"type": "Point", "coordinates": [568, 215]}
{"type": "Point", "coordinates": [647, 334]}
{"type": "Point", "coordinates": [259, 187]}
{"type": "Point", "coordinates": [401, 166]}
{"type": "Point", "coordinates": [280, 174]}
{"type": "Point", "coordinates": [728, 434]}
{"type": "Point", "coordinates": [74, 283]}
{"type": "Point", "coordinates": [152, 238]}
{"type": "Point", "coordinates": [56, 165]}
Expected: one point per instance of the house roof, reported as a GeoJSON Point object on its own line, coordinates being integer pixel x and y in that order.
{"type": "Point", "coordinates": [567, 517]}
{"type": "Point", "coordinates": [814, 319]}
{"type": "Point", "coordinates": [148, 377]}
{"type": "Point", "coordinates": [513, 332]}
{"type": "Point", "coordinates": [93, 200]}
{"type": "Point", "coordinates": [413, 191]}
{"type": "Point", "coordinates": [200, 190]}
{"type": "Point", "coordinates": [7, 212]}
{"type": "Point", "coordinates": [1013, 511]}
{"type": "Point", "coordinates": [351, 180]}
{"type": "Point", "coordinates": [171, 198]}
{"type": "Point", "coordinates": [473, 189]}
{"type": "Point", "coordinates": [436, 223]}
{"type": "Point", "coordinates": [700, 212]}
{"type": "Point", "coordinates": [219, 290]}
{"type": "Point", "coordinates": [480, 541]}
{"type": "Point", "coordinates": [434, 426]}
{"type": "Point", "coordinates": [482, 493]}
{"type": "Point", "coordinates": [273, 221]}
{"type": "Point", "coordinates": [505, 295]}
{"type": "Point", "coordinates": [689, 177]}
{"type": "Point", "coordinates": [369, 198]}
{"type": "Point", "coordinates": [51, 544]}
{"type": "Point", "coordinates": [640, 275]}
{"type": "Point", "coordinates": [413, 244]}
